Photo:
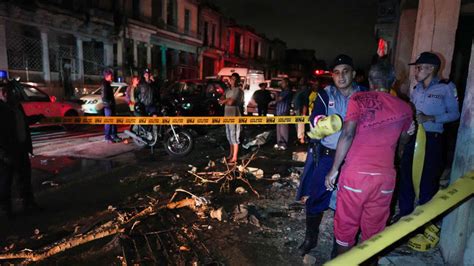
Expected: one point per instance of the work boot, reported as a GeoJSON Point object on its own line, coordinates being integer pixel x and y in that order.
{"type": "Point", "coordinates": [312, 232]}
{"type": "Point", "coordinates": [341, 249]}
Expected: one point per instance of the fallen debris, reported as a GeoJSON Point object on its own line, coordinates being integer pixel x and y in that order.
{"type": "Point", "coordinates": [240, 213]}
{"type": "Point", "coordinates": [234, 172]}
{"type": "Point", "coordinates": [49, 182]}
{"type": "Point", "coordinates": [299, 156]}
{"type": "Point", "coordinates": [218, 214]}
{"type": "Point", "coordinates": [240, 190]}
{"type": "Point", "coordinates": [175, 177]}
{"type": "Point", "coordinates": [259, 140]}
{"type": "Point", "coordinates": [254, 220]}
{"type": "Point", "coordinates": [258, 173]}
{"type": "Point", "coordinates": [119, 224]}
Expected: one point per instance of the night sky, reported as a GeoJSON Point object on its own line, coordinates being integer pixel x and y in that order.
{"type": "Point", "coordinates": [330, 27]}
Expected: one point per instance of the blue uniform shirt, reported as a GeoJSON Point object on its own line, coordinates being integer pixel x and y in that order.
{"type": "Point", "coordinates": [331, 101]}
{"type": "Point", "coordinates": [439, 100]}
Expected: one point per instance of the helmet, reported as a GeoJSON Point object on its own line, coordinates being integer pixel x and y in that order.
{"type": "Point", "coordinates": [325, 126]}
{"type": "Point", "coordinates": [139, 108]}
{"type": "Point", "coordinates": [146, 70]}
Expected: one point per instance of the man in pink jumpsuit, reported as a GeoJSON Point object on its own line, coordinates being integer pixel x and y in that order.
{"type": "Point", "coordinates": [374, 122]}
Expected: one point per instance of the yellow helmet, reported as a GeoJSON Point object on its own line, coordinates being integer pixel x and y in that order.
{"type": "Point", "coordinates": [325, 126]}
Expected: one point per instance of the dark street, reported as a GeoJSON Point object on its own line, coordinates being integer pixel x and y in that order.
{"type": "Point", "coordinates": [219, 132]}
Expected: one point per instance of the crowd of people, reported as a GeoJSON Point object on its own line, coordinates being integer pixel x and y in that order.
{"type": "Point", "coordinates": [351, 170]}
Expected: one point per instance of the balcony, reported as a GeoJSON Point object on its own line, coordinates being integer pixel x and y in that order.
{"type": "Point", "coordinates": [179, 31]}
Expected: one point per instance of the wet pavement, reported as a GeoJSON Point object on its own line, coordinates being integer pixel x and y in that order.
{"type": "Point", "coordinates": [78, 194]}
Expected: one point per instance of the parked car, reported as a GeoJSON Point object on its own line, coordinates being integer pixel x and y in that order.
{"type": "Point", "coordinates": [92, 103]}
{"type": "Point", "coordinates": [35, 102]}
{"type": "Point", "coordinates": [195, 97]}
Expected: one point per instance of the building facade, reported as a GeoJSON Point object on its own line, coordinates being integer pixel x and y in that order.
{"type": "Point", "coordinates": [66, 44]}
{"type": "Point", "coordinates": [212, 28]}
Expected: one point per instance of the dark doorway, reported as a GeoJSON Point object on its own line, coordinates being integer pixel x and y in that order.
{"type": "Point", "coordinates": [207, 66]}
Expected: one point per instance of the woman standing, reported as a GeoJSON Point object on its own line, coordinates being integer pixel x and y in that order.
{"type": "Point", "coordinates": [233, 99]}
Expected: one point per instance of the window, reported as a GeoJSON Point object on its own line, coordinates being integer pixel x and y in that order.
{"type": "Point", "coordinates": [237, 43]}
{"type": "Point", "coordinates": [136, 9]}
{"type": "Point", "coordinates": [93, 52]}
{"type": "Point", "coordinates": [157, 11]}
{"type": "Point", "coordinates": [250, 48]}
{"type": "Point", "coordinates": [213, 34]}
{"type": "Point", "coordinates": [270, 53]}
{"type": "Point", "coordinates": [35, 95]}
{"type": "Point", "coordinates": [141, 55]}
{"type": "Point", "coordinates": [187, 20]}
{"type": "Point", "coordinates": [206, 39]}
{"type": "Point", "coordinates": [256, 48]}
{"type": "Point", "coordinates": [171, 12]}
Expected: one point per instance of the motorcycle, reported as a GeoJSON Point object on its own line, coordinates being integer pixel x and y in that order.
{"type": "Point", "coordinates": [177, 140]}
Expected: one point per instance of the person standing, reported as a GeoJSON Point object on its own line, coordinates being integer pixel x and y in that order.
{"type": "Point", "coordinates": [23, 147]}
{"type": "Point", "coordinates": [232, 100]}
{"type": "Point", "coordinates": [436, 104]}
{"type": "Point", "coordinates": [130, 93]}
{"type": "Point", "coordinates": [300, 102]}
{"type": "Point", "coordinates": [147, 93]}
{"type": "Point", "coordinates": [262, 97]}
{"type": "Point", "coordinates": [108, 99]}
{"type": "Point", "coordinates": [283, 104]}
{"type": "Point", "coordinates": [315, 86]}
{"type": "Point", "coordinates": [7, 151]}
{"type": "Point", "coordinates": [374, 122]}
{"type": "Point", "coordinates": [332, 100]}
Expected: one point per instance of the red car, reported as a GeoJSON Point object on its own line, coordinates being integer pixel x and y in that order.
{"type": "Point", "coordinates": [35, 102]}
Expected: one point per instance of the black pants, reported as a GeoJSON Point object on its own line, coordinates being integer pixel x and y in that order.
{"type": "Point", "coordinates": [23, 173]}
{"type": "Point", "coordinates": [6, 177]}
{"type": "Point", "coordinates": [22, 170]}
{"type": "Point", "coordinates": [432, 168]}
{"type": "Point", "coordinates": [262, 109]}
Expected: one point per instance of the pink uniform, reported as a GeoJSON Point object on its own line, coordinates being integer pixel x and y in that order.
{"type": "Point", "coordinates": [367, 177]}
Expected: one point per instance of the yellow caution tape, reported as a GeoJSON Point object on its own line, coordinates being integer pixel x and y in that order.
{"type": "Point", "coordinates": [188, 120]}
{"type": "Point", "coordinates": [426, 241]}
{"type": "Point", "coordinates": [420, 243]}
{"type": "Point", "coordinates": [418, 159]}
{"type": "Point", "coordinates": [441, 202]}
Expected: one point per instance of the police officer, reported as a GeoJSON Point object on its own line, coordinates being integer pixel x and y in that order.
{"type": "Point", "coordinates": [17, 162]}
{"type": "Point", "coordinates": [7, 151]}
{"type": "Point", "coordinates": [436, 104]}
{"type": "Point", "coordinates": [330, 101]}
